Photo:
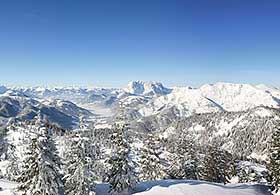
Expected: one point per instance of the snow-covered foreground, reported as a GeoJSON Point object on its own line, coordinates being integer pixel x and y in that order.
{"type": "Point", "coordinates": [171, 187]}
{"type": "Point", "coordinates": [7, 187]}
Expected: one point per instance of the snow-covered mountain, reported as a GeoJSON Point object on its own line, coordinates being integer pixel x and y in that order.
{"type": "Point", "coordinates": [75, 94]}
{"type": "Point", "coordinates": [237, 97]}
{"type": "Point", "coordinates": [219, 109]}
{"type": "Point", "coordinates": [186, 100]}
{"type": "Point", "coordinates": [144, 99]}
{"type": "Point", "coordinates": [154, 97]}
{"type": "Point", "coordinates": [134, 94]}
{"type": "Point", "coordinates": [3, 89]}
{"type": "Point", "coordinates": [274, 91]}
{"type": "Point", "coordinates": [213, 98]}
{"type": "Point", "coordinates": [18, 106]}
{"type": "Point", "coordinates": [238, 119]}
{"type": "Point", "coordinates": [146, 88]}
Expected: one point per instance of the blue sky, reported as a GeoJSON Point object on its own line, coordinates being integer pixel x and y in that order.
{"type": "Point", "coordinates": [110, 42]}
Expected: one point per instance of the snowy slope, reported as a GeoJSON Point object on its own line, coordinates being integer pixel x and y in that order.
{"type": "Point", "coordinates": [268, 89]}
{"type": "Point", "coordinates": [186, 100]}
{"type": "Point", "coordinates": [201, 188]}
{"type": "Point", "coordinates": [7, 187]}
{"type": "Point", "coordinates": [238, 97]}
{"type": "Point", "coordinates": [213, 98]}
{"type": "Point", "coordinates": [170, 187]}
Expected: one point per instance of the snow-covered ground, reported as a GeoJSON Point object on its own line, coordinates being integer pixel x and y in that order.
{"type": "Point", "coordinates": [171, 187]}
{"type": "Point", "coordinates": [7, 187]}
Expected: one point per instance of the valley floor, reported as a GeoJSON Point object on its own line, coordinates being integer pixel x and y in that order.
{"type": "Point", "coordinates": [171, 187]}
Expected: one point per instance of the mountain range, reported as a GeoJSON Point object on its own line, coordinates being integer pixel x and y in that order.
{"type": "Point", "coordinates": [240, 118]}
{"type": "Point", "coordinates": [224, 111]}
{"type": "Point", "coordinates": [147, 104]}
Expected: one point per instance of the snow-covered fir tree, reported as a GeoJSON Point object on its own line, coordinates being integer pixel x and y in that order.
{"type": "Point", "coordinates": [274, 160]}
{"type": "Point", "coordinates": [3, 147]}
{"type": "Point", "coordinates": [40, 173]}
{"type": "Point", "coordinates": [3, 143]}
{"type": "Point", "coordinates": [217, 165]}
{"type": "Point", "coordinates": [184, 163]}
{"type": "Point", "coordinates": [249, 176]}
{"type": "Point", "coordinates": [121, 175]}
{"type": "Point", "coordinates": [94, 149]}
{"type": "Point", "coordinates": [79, 176]}
{"type": "Point", "coordinates": [152, 164]}
{"type": "Point", "coordinates": [8, 154]}
{"type": "Point", "coordinates": [13, 168]}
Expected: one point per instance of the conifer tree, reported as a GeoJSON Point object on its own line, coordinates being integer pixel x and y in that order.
{"type": "Point", "coordinates": [274, 164]}
{"type": "Point", "coordinates": [249, 176]}
{"type": "Point", "coordinates": [12, 170]}
{"type": "Point", "coordinates": [41, 165]}
{"type": "Point", "coordinates": [185, 160]}
{"type": "Point", "coordinates": [152, 165]}
{"type": "Point", "coordinates": [121, 176]}
{"type": "Point", "coordinates": [216, 165]}
{"type": "Point", "coordinates": [79, 176]}
{"type": "Point", "coordinates": [94, 149]}
{"type": "Point", "coordinates": [3, 143]}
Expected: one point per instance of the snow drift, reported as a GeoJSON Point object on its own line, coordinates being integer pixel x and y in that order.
{"type": "Point", "coordinates": [171, 187]}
